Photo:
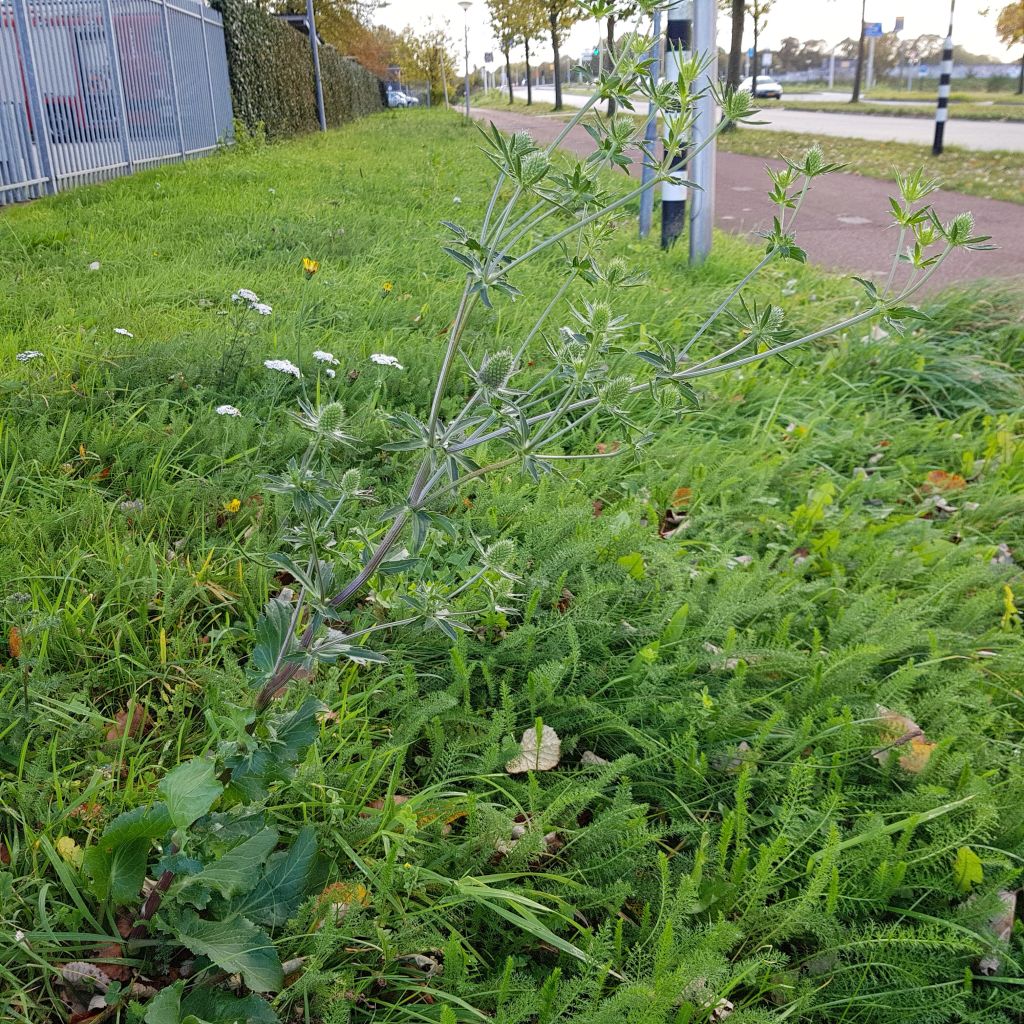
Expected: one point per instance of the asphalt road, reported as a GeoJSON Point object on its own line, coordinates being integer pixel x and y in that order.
{"type": "Point", "coordinates": [844, 224]}
{"type": "Point", "coordinates": [877, 128]}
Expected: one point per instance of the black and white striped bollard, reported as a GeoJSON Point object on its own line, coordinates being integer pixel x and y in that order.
{"type": "Point", "coordinates": [673, 192]}
{"type": "Point", "coordinates": [945, 77]}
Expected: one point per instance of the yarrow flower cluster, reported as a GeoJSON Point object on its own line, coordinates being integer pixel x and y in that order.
{"type": "Point", "coordinates": [253, 301]}
{"type": "Point", "coordinates": [24, 357]}
{"type": "Point", "coordinates": [227, 410]}
{"type": "Point", "coordinates": [124, 333]}
{"type": "Point", "coordinates": [385, 360]}
{"type": "Point", "coordinates": [282, 366]}
{"type": "Point", "coordinates": [325, 357]}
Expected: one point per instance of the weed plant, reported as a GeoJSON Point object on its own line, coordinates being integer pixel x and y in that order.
{"type": "Point", "coordinates": [715, 632]}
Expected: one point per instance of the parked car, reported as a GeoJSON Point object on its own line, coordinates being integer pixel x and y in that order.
{"type": "Point", "coordinates": [397, 98]}
{"type": "Point", "coordinates": [767, 88]}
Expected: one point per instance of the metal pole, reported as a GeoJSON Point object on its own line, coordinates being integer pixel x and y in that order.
{"type": "Point", "coordinates": [673, 191]}
{"type": "Point", "coordinates": [651, 132]}
{"type": "Point", "coordinates": [174, 77]}
{"type": "Point", "coordinates": [702, 165]}
{"type": "Point", "coordinates": [942, 110]}
{"type": "Point", "coordinates": [209, 77]}
{"type": "Point", "coordinates": [314, 49]}
{"type": "Point", "coordinates": [117, 90]}
{"type": "Point", "coordinates": [40, 126]}
{"type": "Point", "coordinates": [832, 68]}
{"type": "Point", "coordinates": [871, 63]}
{"type": "Point", "coordinates": [465, 39]}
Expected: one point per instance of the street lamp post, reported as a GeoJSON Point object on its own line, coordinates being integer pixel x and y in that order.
{"type": "Point", "coordinates": [465, 5]}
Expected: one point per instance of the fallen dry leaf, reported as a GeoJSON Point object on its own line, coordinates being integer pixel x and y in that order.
{"type": "Point", "coordinates": [1002, 926]}
{"type": "Point", "coordinates": [534, 756]}
{"type": "Point", "coordinates": [140, 724]}
{"type": "Point", "coordinates": [589, 757]}
{"type": "Point", "coordinates": [940, 480]}
{"type": "Point", "coordinates": [900, 731]}
{"type": "Point", "coordinates": [681, 496]}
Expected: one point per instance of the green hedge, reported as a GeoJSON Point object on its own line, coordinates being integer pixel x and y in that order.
{"type": "Point", "coordinates": [272, 75]}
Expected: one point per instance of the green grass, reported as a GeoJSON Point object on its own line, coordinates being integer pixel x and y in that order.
{"type": "Point", "coordinates": [991, 174]}
{"type": "Point", "coordinates": [983, 111]}
{"type": "Point", "coordinates": [742, 842]}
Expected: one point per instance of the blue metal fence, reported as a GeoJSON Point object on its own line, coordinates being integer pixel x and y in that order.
{"type": "Point", "coordinates": [90, 89]}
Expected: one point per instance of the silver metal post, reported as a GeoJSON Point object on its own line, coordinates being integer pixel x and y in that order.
{"type": "Point", "coordinates": [702, 163]}
{"type": "Point", "coordinates": [314, 48]}
{"type": "Point", "coordinates": [120, 107]}
{"type": "Point", "coordinates": [40, 126]}
{"type": "Point", "coordinates": [209, 78]}
{"type": "Point", "coordinates": [465, 5]}
{"type": "Point", "coordinates": [651, 132]}
{"type": "Point", "coordinates": [945, 78]}
{"type": "Point", "coordinates": [174, 78]}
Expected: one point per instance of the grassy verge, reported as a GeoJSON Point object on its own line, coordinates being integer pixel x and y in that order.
{"type": "Point", "coordinates": [964, 111]}
{"type": "Point", "coordinates": [735, 826]}
{"type": "Point", "coordinates": [989, 174]}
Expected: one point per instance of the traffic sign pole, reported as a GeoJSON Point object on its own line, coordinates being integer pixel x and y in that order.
{"type": "Point", "coordinates": [673, 191]}
{"type": "Point", "coordinates": [945, 77]}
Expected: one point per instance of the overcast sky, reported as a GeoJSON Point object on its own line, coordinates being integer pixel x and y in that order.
{"type": "Point", "coordinates": [831, 20]}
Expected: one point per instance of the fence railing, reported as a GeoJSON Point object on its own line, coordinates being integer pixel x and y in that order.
{"type": "Point", "coordinates": [90, 89]}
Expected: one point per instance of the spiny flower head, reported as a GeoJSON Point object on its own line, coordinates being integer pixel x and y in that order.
{"type": "Point", "coordinates": [325, 421]}
{"type": "Point", "coordinates": [495, 370]}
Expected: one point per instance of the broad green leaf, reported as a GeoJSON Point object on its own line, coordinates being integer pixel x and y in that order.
{"type": "Point", "coordinates": [236, 946]}
{"type": "Point", "coordinates": [190, 791]}
{"type": "Point", "coordinates": [216, 1006]}
{"type": "Point", "coordinates": [278, 894]}
{"type": "Point", "coordinates": [272, 630]}
{"type": "Point", "coordinates": [295, 732]}
{"type": "Point", "coordinates": [239, 869]}
{"type": "Point", "coordinates": [165, 1006]}
{"type": "Point", "coordinates": [633, 563]}
{"type": "Point", "coordinates": [117, 875]}
{"type": "Point", "coordinates": [142, 822]}
{"type": "Point", "coordinates": [967, 869]}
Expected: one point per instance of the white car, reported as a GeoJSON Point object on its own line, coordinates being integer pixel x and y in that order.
{"type": "Point", "coordinates": [397, 98]}
{"type": "Point", "coordinates": [767, 88]}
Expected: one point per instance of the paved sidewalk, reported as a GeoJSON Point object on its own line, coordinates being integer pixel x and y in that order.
{"type": "Point", "coordinates": [844, 223]}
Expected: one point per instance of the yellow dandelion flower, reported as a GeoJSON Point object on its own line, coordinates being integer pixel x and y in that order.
{"type": "Point", "coordinates": [232, 506]}
{"type": "Point", "coordinates": [386, 287]}
{"type": "Point", "coordinates": [309, 267]}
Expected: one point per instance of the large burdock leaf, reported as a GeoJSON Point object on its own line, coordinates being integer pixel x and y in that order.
{"type": "Point", "coordinates": [190, 791]}
{"type": "Point", "coordinates": [540, 750]}
{"type": "Point", "coordinates": [235, 945]}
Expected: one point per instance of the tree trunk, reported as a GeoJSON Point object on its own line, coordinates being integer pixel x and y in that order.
{"type": "Point", "coordinates": [557, 64]}
{"type": "Point", "coordinates": [611, 58]}
{"type": "Point", "coordinates": [1020, 81]}
{"type": "Point", "coordinates": [860, 56]}
{"type": "Point", "coordinates": [529, 84]}
{"type": "Point", "coordinates": [753, 65]}
{"type": "Point", "coordinates": [736, 45]}
{"type": "Point", "coordinates": [508, 74]}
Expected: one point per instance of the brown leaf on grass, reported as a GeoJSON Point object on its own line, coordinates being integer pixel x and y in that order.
{"type": "Point", "coordinates": [1003, 555]}
{"type": "Point", "coordinates": [5, 854]}
{"type": "Point", "coordinates": [1002, 927]}
{"type": "Point", "coordinates": [139, 725]}
{"type": "Point", "coordinates": [14, 642]}
{"type": "Point", "coordinates": [565, 600]}
{"type": "Point", "coordinates": [536, 756]}
{"type": "Point", "coordinates": [681, 496]}
{"type": "Point", "coordinates": [940, 480]}
{"type": "Point", "coordinates": [603, 449]}
{"type": "Point", "coordinates": [113, 951]}
{"type": "Point", "coordinates": [338, 897]}
{"type": "Point", "coordinates": [900, 731]}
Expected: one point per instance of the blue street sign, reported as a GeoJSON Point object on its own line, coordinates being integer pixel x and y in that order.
{"type": "Point", "coordinates": [872, 28]}
{"type": "Point", "coordinates": [922, 70]}
{"type": "Point", "coordinates": [750, 53]}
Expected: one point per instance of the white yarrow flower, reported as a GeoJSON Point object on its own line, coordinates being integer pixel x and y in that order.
{"type": "Point", "coordinates": [24, 357]}
{"type": "Point", "coordinates": [124, 333]}
{"type": "Point", "coordinates": [262, 308]}
{"type": "Point", "coordinates": [325, 357]}
{"type": "Point", "coordinates": [282, 366]}
{"type": "Point", "coordinates": [95, 265]}
{"type": "Point", "coordinates": [385, 360]}
{"type": "Point", "coordinates": [246, 294]}
{"type": "Point", "coordinates": [456, 200]}
{"type": "Point", "coordinates": [227, 410]}
{"type": "Point", "coordinates": [330, 373]}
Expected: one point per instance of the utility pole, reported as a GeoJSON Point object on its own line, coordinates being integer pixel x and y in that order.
{"type": "Point", "coordinates": [946, 76]}
{"type": "Point", "coordinates": [651, 131]}
{"type": "Point", "coordinates": [673, 191]}
{"type": "Point", "coordinates": [314, 47]}
{"type": "Point", "coordinates": [702, 164]}
{"type": "Point", "coordinates": [465, 5]}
